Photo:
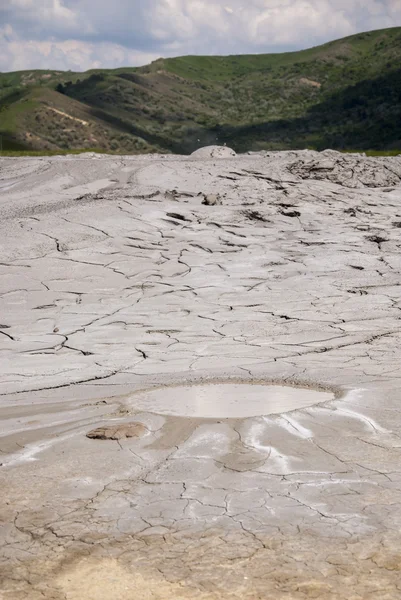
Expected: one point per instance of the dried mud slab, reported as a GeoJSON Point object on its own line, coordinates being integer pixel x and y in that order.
{"type": "Point", "coordinates": [117, 432]}
{"type": "Point", "coordinates": [353, 171]}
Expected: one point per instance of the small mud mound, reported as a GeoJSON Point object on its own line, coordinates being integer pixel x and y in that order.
{"type": "Point", "coordinates": [118, 432]}
{"type": "Point", "coordinates": [212, 200]}
{"type": "Point", "coordinates": [213, 152]}
{"type": "Point", "coordinates": [350, 170]}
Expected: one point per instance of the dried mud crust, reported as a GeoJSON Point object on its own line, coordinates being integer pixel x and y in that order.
{"type": "Point", "coordinates": [214, 565]}
{"type": "Point", "coordinates": [352, 171]}
{"type": "Point", "coordinates": [115, 278]}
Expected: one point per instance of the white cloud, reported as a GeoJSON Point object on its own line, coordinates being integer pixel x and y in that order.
{"type": "Point", "coordinates": [41, 15]}
{"type": "Point", "coordinates": [80, 34]}
{"type": "Point", "coordinates": [74, 55]}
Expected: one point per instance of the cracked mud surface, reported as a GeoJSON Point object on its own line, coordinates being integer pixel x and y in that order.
{"type": "Point", "coordinates": [117, 279]}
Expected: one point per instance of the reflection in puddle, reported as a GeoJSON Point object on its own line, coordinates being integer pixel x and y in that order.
{"type": "Point", "coordinates": [226, 400]}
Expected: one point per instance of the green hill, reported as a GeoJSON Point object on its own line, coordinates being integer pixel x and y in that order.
{"type": "Point", "coordinates": [345, 94]}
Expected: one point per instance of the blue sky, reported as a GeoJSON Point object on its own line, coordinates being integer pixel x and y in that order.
{"type": "Point", "coordinates": [84, 34]}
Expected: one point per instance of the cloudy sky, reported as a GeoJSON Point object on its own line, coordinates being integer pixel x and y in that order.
{"type": "Point", "coordinates": [84, 34]}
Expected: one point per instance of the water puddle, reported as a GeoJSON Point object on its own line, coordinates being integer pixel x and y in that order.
{"type": "Point", "coordinates": [226, 400]}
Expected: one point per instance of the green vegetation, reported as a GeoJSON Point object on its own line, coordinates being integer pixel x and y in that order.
{"type": "Point", "coordinates": [376, 152]}
{"type": "Point", "coordinates": [12, 153]}
{"type": "Point", "coordinates": [345, 95]}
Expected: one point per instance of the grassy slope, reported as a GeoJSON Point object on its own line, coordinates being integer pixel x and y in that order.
{"type": "Point", "coordinates": [344, 94]}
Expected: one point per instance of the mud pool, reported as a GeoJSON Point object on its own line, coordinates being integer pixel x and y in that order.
{"type": "Point", "coordinates": [226, 400]}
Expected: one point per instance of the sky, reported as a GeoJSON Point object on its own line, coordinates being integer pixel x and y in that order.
{"type": "Point", "coordinates": [86, 34]}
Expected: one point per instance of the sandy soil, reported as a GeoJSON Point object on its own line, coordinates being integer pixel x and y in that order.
{"type": "Point", "coordinates": [117, 279]}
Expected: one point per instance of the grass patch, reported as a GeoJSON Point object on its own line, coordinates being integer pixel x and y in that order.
{"type": "Point", "coordinates": [17, 153]}
{"type": "Point", "coordinates": [374, 153]}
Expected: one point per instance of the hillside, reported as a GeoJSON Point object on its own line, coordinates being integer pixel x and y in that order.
{"type": "Point", "coordinates": [345, 94]}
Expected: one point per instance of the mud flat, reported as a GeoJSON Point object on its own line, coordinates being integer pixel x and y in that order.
{"type": "Point", "coordinates": [200, 377]}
